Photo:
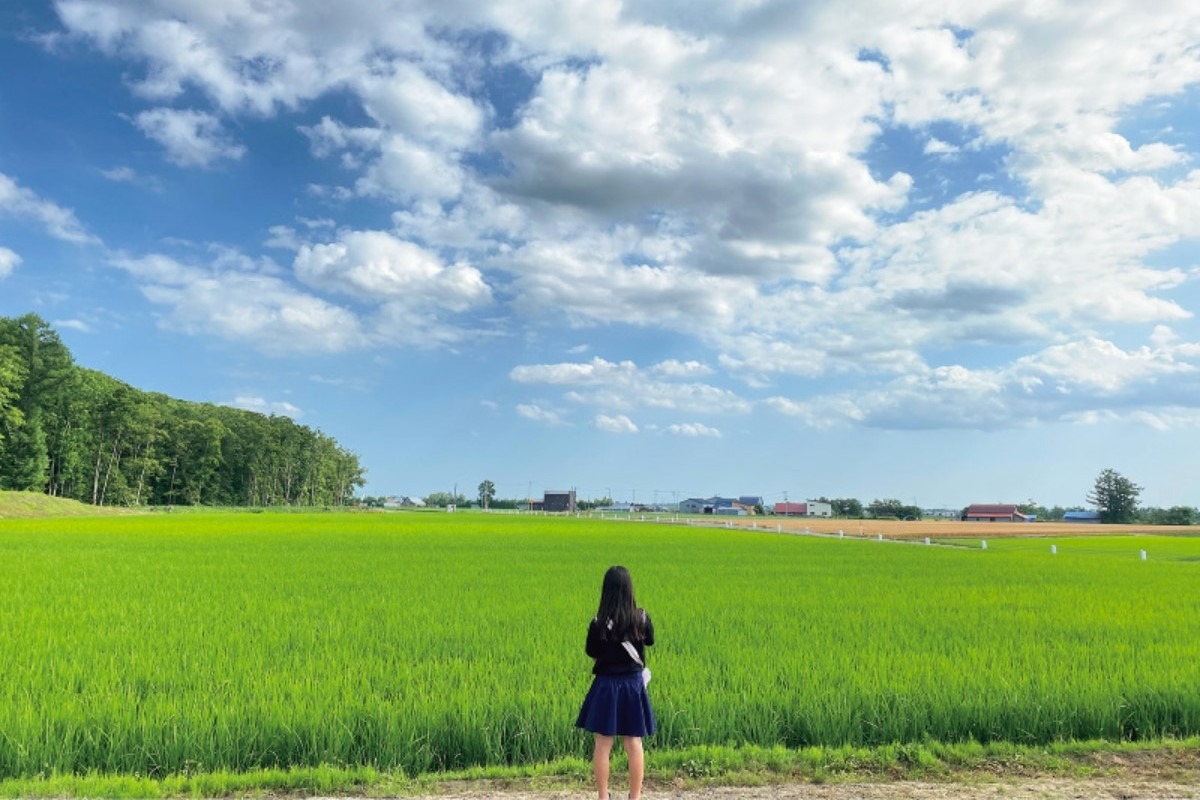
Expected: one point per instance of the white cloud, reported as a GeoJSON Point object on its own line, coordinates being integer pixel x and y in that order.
{"type": "Point", "coordinates": [693, 429]}
{"type": "Point", "coordinates": [1081, 380]}
{"type": "Point", "coordinates": [255, 309]}
{"type": "Point", "coordinates": [120, 174]}
{"type": "Point", "coordinates": [377, 266]}
{"type": "Point", "coordinates": [125, 174]}
{"type": "Point", "coordinates": [73, 324]}
{"type": "Point", "coordinates": [536, 413]}
{"type": "Point", "coordinates": [616, 424]}
{"type": "Point", "coordinates": [937, 147]}
{"type": "Point", "coordinates": [672, 368]}
{"type": "Point", "coordinates": [623, 385]}
{"type": "Point", "coordinates": [8, 262]}
{"type": "Point", "coordinates": [21, 203]}
{"type": "Point", "coordinates": [191, 138]}
{"type": "Point", "coordinates": [280, 408]}
{"type": "Point", "coordinates": [713, 170]}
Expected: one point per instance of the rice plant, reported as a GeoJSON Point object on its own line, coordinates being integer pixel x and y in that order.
{"type": "Point", "coordinates": [167, 644]}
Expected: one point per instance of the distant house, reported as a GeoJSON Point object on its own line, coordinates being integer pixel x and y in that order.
{"type": "Point", "coordinates": [940, 513]}
{"type": "Point", "coordinates": [809, 508]}
{"type": "Point", "coordinates": [558, 501]}
{"type": "Point", "coordinates": [412, 502]}
{"type": "Point", "coordinates": [816, 508]}
{"type": "Point", "coordinates": [734, 510]}
{"type": "Point", "coordinates": [1081, 516]}
{"type": "Point", "coordinates": [994, 512]}
{"type": "Point", "coordinates": [707, 505]}
{"type": "Point", "coordinates": [750, 500]}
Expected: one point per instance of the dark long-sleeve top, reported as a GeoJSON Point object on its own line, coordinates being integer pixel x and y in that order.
{"type": "Point", "coordinates": [611, 656]}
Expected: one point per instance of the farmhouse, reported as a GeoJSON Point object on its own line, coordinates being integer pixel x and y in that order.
{"type": "Point", "coordinates": [994, 512]}
{"type": "Point", "coordinates": [809, 508]}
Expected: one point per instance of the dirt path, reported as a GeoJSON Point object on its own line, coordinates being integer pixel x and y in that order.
{"type": "Point", "coordinates": [1008, 789]}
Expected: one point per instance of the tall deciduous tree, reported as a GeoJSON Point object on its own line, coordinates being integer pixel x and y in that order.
{"type": "Point", "coordinates": [12, 380]}
{"type": "Point", "coordinates": [487, 493]}
{"type": "Point", "coordinates": [1115, 496]}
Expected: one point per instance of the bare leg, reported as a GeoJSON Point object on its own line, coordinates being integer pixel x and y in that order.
{"type": "Point", "coordinates": [600, 756]}
{"type": "Point", "coordinates": [637, 764]}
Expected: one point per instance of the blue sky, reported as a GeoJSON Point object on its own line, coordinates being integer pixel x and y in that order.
{"type": "Point", "coordinates": [946, 253]}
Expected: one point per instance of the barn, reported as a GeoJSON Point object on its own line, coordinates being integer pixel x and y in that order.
{"type": "Point", "coordinates": [994, 512]}
{"type": "Point", "coordinates": [558, 501]}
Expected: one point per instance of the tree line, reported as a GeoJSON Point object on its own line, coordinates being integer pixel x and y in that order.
{"type": "Point", "coordinates": [77, 433]}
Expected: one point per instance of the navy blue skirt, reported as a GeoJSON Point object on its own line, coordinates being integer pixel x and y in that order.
{"type": "Point", "coordinates": [617, 705]}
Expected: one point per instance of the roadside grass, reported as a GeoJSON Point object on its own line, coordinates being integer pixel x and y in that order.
{"type": "Point", "coordinates": [665, 769]}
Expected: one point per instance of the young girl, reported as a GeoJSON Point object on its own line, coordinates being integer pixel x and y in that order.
{"type": "Point", "coordinates": [617, 703]}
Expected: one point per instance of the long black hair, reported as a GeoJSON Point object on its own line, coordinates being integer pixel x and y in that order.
{"type": "Point", "coordinates": [619, 613]}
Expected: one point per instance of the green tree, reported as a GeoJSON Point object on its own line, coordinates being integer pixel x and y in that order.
{"type": "Point", "coordinates": [487, 493]}
{"type": "Point", "coordinates": [443, 499]}
{"type": "Point", "coordinates": [12, 380]}
{"type": "Point", "coordinates": [847, 507]}
{"type": "Point", "coordinates": [1175, 515]}
{"type": "Point", "coordinates": [1032, 508]}
{"type": "Point", "coordinates": [46, 364]}
{"type": "Point", "coordinates": [885, 508]}
{"type": "Point", "coordinates": [1115, 496]}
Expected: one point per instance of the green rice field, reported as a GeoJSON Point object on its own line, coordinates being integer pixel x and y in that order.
{"type": "Point", "coordinates": [162, 644]}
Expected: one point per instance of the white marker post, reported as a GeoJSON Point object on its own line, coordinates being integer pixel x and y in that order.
{"type": "Point", "coordinates": [926, 540]}
{"type": "Point", "coordinates": [1143, 555]}
{"type": "Point", "coordinates": [1053, 549]}
{"type": "Point", "coordinates": [985, 544]}
{"type": "Point", "coordinates": [841, 534]}
{"type": "Point", "coordinates": [880, 537]}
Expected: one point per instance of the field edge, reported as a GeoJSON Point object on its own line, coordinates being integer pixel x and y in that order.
{"type": "Point", "coordinates": [1172, 759]}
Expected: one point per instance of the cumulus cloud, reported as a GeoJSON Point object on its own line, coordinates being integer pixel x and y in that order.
{"type": "Point", "coordinates": [280, 408]}
{"type": "Point", "coordinates": [937, 147]}
{"type": "Point", "coordinates": [22, 203]}
{"type": "Point", "coordinates": [1087, 379]}
{"type": "Point", "coordinates": [125, 174]}
{"type": "Point", "coordinates": [616, 424]}
{"type": "Point", "coordinates": [536, 413]}
{"type": "Point", "coordinates": [258, 310]}
{"type": "Point", "coordinates": [716, 172]}
{"type": "Point", "coordinates": [377, 266]}
{"type": "Point", "coordinates": [191, 138]}
{"type": "Point", "coordinates": [623, 385]}
{"type": "Point", "coordinates": [8, 262]}
{"type": "Point", "coordinates": [693, 429]}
